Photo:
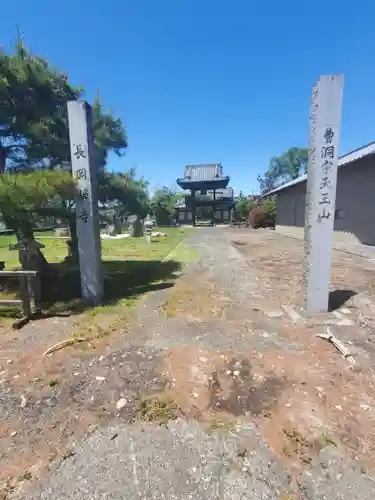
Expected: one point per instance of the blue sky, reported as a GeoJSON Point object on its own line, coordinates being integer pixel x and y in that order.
{"type": "Point", "coordinates": [199, 81]}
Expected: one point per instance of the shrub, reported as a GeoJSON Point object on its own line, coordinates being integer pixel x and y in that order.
{"type": "Point", "coordinates": [263, 214]}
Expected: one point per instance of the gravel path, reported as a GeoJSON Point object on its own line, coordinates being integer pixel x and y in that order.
{"type": "Point", "coordinates": [213, 329]}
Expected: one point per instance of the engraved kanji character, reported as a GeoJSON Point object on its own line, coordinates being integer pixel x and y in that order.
{"type": "Point", "coordinates": [328, 135]}
{"type": "Point", "coordinates": [84, 216]}
{"type": "Point", "coordinates": [324, 215]}
{"type": "Point", "coordinates": [324, 200]}
{"type": "Point", "coordinates": [328, 152]}
{"type": "Point", "coordinates": [84, 194]}
{"type": "Point", "coordinates": [80, 151]}
{"type": "Point", "coordinates": [81, 173]}
{"type": "Point", "coordinates": [326, 167]}
{"type": "Point", "coordinates": [326, 183]}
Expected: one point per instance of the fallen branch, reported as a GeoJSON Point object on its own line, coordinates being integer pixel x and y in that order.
{"type": "Point", "coordinates": [339, 345]}
{"type": "Point", "coordinates": [64, 343]}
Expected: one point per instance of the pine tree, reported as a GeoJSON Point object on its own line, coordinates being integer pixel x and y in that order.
{"type": "Point", "coordinates": [34, 136]}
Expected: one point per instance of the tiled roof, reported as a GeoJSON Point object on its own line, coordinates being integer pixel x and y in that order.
{"type": "Point", "coordinates": [354, 155]}
{"type": "Point", "coordinates": [207, 172]}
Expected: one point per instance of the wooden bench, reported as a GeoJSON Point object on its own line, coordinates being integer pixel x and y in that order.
{"type": "Point", "coordinates": [30, 288]}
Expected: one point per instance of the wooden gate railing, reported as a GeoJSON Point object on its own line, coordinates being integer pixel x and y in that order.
{"type": "Point", "coordinates": [30, 289]}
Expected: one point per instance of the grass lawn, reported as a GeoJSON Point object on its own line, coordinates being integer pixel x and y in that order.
{"type": "Point", "coordinates": [131, 268]}
{"type": "Point", "coordinates": [129, 248]}
{"type": "Point", "coordinates": [139, 249]}
{"type": "Point", "coordinates": [55, 251]}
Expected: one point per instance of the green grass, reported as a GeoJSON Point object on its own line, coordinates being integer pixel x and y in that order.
{"type": "Point", "coordinates": [223, 425]}
{"type": "Point", "coordinates": [183, 253]}
{"type": "Point", "coordinates": [129, 248]}
{"type": "Point", "coordinates": [131, 268]}
{"type": "Point", "coordinates": [139, 249]}
{"type": "Point", "coordinates": [156, 409]}
{"type": "Point", "coordinates": [55, 249]}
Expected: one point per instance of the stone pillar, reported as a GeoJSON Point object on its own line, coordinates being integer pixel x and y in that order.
{"type": "Point", "coordinates": [193, 206]}
{"type": "Point", "coordinates": [84, 171]}
{"type": "Point", "coordinates": [325, 119]}
{"type": "Point", "coordinates": [135, 226]}
{"type": "Point", "coordinates": [213, 206]}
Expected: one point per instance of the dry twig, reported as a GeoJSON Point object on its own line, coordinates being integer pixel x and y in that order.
{"type": "Point", "coordinates": [64, 343]}
{"type": "Point", "coordinates": [338, 344]}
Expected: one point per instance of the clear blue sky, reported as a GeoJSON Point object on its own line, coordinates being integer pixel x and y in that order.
{"type": "Point", "coordinates": [200, 81]}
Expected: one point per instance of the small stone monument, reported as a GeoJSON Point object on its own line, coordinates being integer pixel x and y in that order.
{"type": "Point", "coordinates": [117, 223]}
{"type": "Point", "coordinates": [148, 225]}
{"type": "Point", "coordinates": [111, 230]}
{"type": "Point", "coordinates": [29, 254]}
{"type": "Point", "coordinates": [135, 226]}
{"type": "Point", "coordinates": [62, 232]}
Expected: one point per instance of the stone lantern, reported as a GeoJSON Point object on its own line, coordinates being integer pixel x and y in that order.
{"type": "Point", "coordinates": [148, 225]}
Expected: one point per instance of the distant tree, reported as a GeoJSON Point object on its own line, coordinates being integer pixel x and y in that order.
{"type": "Point", "coordinates": [270, 207]}
{"type": "Point", "coordinates": [34, 130]}
{"type": "Point", "coordinates": [291, 163]}
{"type": "Point", "coordinates": [268, 181]}
{"type": "Point", "coordinates": [123, 194]}
{"type": "Point", "coordinates": [109, 133]}
{"type": "Point", "coordinates": [25, 196]}
{"type": "Point", "coordinates": [283, 168]}
{"type": "Point", "coordinates": [33, 121]}
{"type": "Point", "coordinates": [243, 205]}
{"type": "Point", "coordinates": [163, 203]}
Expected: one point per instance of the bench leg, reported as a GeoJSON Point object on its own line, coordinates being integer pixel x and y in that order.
{"type": "Point", "coordinates": [36, 290]}
{"type": "Point", "coordinates": [25, 297]}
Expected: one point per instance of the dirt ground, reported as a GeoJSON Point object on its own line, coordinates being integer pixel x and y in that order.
{"type": "Point", "coordinates": [325, 391]}
{"type": "Point", "coordinates": [279, 259]}
{"type": "Point", "coordinates": [225, 346]}
{"type": "Point", "coordinates": [303, 395]}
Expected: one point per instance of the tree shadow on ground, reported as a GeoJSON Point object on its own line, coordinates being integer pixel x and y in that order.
{"type": "Point", "coordinates": [122, 280]}
{"type": "Point", "coordinates": [337, 298]}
